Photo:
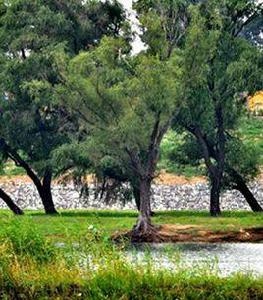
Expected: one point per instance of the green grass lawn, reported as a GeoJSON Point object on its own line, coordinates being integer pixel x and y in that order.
{"type": "Point", "coordinates": [74, 224]}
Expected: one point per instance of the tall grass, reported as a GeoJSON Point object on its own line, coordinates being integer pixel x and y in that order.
{"type": "Point", "coordinates": [33, 267]}
{"type": "Point", "coordinates": [24, 239]}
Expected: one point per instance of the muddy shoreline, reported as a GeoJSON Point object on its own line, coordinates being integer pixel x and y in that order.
{"type": "Point", "coordinates": [169, 233]}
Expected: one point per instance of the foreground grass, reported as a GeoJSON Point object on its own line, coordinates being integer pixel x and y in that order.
{"type": "Point", "coordinates": [57, 281]}
{"type": "Point", "coordinates": [32, 267]}
{"type": "Point", "coordinates": [74, 224]}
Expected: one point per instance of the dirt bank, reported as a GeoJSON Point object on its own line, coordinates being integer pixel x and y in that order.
{"type": "Point", "coordinates": [169, 233]}
{"type": "Point", "coordinates": [162, 179]}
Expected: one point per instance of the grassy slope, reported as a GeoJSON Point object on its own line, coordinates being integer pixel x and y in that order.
{"type": "Point", "coordinates": [250, 130]}
{"type": "Point", "coordinates": [74, 224]}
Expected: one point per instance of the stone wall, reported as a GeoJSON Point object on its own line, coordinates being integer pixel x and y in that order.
{"type": "Point", "coordinates": [165, 197]}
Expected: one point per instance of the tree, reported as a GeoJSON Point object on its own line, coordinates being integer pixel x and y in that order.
{"type": "Point", "coordinates": [34, 37]}
{"type": "Point", "coordinates": [241, 166]}
{"type": "Point", "coordinates": [163, 24]}
{"type": "Point", "coordinates": [3, 195]}
{"type": "Point", "coordinates": [126, 103]}
{"type": "Point", "coordinates": [217, 67]}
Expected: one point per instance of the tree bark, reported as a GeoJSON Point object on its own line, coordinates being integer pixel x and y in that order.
{"type": "Point", "coordinates": [215, 196]}
{"type": "Point", "coordinates": [44, 189]}
{"type": "Point", "coordinates": [215, 172]}
{"type": "Point", "coordinates": [241, 186]}
{"type": "Point", "coordinates": [145, 207]}
{"type": "Point", "coordinates": [45, 194]}
{"type": "Point", "coordinates": [9, 202]}
{"type": "Point", "coordinates": [136, 195]}
{"type": "Point", "coordinates": [251, 200]}
{"type": "Point", "coordinates": [144, 231]}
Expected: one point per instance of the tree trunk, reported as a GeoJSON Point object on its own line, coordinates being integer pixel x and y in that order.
{"type": "Point", "coordinates": [44, 189]}
{"type": "Point", "coordinates": [239, 184]}
{"type": "Point", "coordinates": [136, 195]}
{"type": "Point", "coordinates": [242, 187]}
{"type": "Point", "coordinates": [251, 200]}
{"type": "Point", "coordinates": [215, 172]}
{"type": "Point", "coordinates": [9, 202]}
{"type": "Point", "coordinates": [144, 231]}
{"type": "Point", "coordinates": [46, 195]}
{"type": "Point", "coordinates": [145, 209]}
{"type": "Point", "coordinates": [215, 196]}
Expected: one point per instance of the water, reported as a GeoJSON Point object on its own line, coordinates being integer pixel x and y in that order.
{"type": "Point", "coordinates": [222, 258]}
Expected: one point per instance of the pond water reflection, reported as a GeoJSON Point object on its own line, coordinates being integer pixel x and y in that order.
{"type": "Point", "coordinates": [225, 258]}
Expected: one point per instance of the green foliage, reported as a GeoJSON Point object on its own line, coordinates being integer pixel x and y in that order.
{"type": "Point", "coordinates": [180, 155]}
{"type": "Point", "coordinates": [24, 239]}
{"type": "Point", "coordinates": [244, 158]}
{"type": "Point", "coordinates": [37, 38]}
{"type": "Point", "coordinates": [123, 102]}
{"type": "Point", "coordinates": [251, 131]}
{"type": "Point", "coordinates": [163, 24]}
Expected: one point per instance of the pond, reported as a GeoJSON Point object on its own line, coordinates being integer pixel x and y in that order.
{"type": "Point", "coordinates": [225, 258]}
{"type": "Point", "coordinates": [219, 258]}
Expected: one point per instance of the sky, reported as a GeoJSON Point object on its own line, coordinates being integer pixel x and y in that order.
{"type": "Point", "coordinates": [126, 3]}
{"type": "Point", "coordinates": [137, 44]}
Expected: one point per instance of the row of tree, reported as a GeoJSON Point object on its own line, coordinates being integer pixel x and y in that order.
{"type": "Point", "coordinates": [75, 99]}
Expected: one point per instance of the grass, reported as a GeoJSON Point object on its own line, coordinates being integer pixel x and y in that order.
{"type": "Point", "coordinates": [10, 169]}
{"type": "Point", "coordinates": [251, 130]}
{"type": "Point", "coordinates": [74, 224]}
{"type": "Point", "coordinates": [173, 158]}
{"type": "Point", "coordinates": [32, 267]}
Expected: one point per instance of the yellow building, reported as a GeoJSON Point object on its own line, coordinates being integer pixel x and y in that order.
{"type": "Point", "coordinates": [255, 103]}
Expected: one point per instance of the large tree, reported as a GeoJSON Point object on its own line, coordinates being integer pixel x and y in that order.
{"type": "Point", "coordinates": [34, 37]}
{"type": "Point", "coordinates": [217, 67]}
{"type": "Point", "coordinates": [127, 104]}
{"type": "Point", "coordinates": [242, 164]}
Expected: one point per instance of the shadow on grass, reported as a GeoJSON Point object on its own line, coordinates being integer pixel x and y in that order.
{"type": "Point", "coordinates": [88, 213]}
{"type": "Point", "coordinates": [134, 214]}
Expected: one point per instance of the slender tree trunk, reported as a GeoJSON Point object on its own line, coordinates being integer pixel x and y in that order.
{"type": "Point", "coordinates": [45, 194]}
{"type": "Point", "coordinates": [215, 172]}
{"type": "Point", "coordinates": [215, 196]}
{"type": "Point", "coordinates": [248, 195]}
{"type": "Point", "coordinates": [44, 189]}
{"type": "Point", "coordinates": [9, 202]}
{"type": "Point", "coordinates": [136, 195]}
{"type": "Point", "coordinates": [241, 186]}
